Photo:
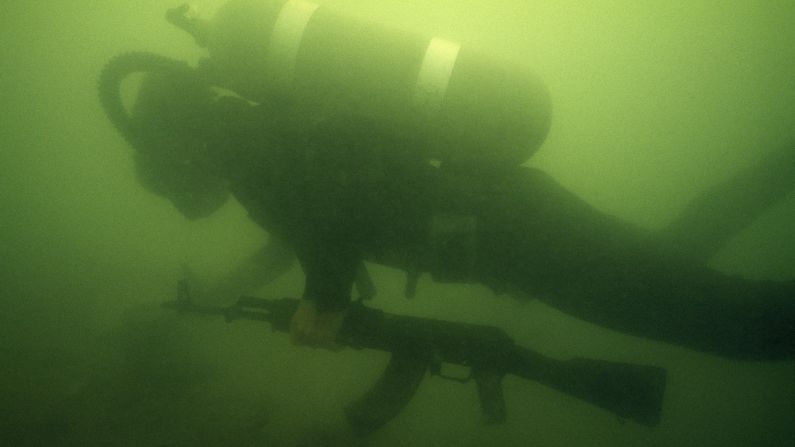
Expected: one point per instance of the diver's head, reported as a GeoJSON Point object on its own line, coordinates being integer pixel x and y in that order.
{"type": "Point", "coordinates": [173, 115]}
{"type": "Point", "coordinates": [170, 126]}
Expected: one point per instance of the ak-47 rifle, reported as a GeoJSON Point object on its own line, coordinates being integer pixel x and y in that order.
{"type": "Point", "coordinates": [419, 344]}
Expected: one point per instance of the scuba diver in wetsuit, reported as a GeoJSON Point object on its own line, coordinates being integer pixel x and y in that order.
{"type": "Point", "coordinates": [335, 200]}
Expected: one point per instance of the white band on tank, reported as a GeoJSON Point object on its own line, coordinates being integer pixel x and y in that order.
{"type": "Point", "coordinates": [437, 67]}
{"type": "Point", "coordinates": [288, 31]}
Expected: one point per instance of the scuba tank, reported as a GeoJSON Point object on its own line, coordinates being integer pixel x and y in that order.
{"type": "Point", "coordinates": [460, 106]}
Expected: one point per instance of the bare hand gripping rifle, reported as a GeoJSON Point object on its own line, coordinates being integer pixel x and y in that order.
{"type": "Point", "coordinates": [419, 345]}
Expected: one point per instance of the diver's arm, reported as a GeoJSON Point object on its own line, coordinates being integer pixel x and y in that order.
{"type": "Point", "coordinates": [330, 266]}
{"type": "Point", "coordinates": [330, 270]}
{"type": "Point", "coordinates": [273, 260]}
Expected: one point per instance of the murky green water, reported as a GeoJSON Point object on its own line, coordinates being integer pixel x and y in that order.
{"type": "Point", "coordinates": [653, 103]}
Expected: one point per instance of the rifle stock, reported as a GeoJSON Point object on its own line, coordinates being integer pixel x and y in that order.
{"type": "Point", "coordinates": [628, 390]}
{"type": "Point", "coordinates": [418, 344]}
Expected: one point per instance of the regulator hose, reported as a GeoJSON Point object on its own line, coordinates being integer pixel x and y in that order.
{"type": "Point", "coordinates": [114, 73]}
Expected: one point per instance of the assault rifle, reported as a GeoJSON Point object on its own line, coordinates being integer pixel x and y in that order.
{"type": "Point", "coordinates": [419, 345]}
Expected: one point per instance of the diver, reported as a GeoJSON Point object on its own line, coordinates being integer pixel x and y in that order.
{"type": "Point", "coordinates": [332, 200]}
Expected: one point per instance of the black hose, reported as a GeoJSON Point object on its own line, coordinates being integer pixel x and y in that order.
{"type": "Point", "coordinates": [114, 73]}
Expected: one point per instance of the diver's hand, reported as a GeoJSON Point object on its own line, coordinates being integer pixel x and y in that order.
{"type": "Point", "coordinates": [317, 329]}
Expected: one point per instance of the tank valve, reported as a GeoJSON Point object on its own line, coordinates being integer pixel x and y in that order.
{"type": "Point", "coordinates": [187, 18]}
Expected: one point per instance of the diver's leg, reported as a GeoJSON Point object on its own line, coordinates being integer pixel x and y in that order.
{"type": "Point", "coordinates": [542, 240]}
{"type": "Point", "coordinates": [714, 217]}
{"type": "Point", "coordinates": [685, 304]}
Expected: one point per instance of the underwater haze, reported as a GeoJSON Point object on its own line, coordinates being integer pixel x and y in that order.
{"type": "Point", "coordinates": [653, 103]}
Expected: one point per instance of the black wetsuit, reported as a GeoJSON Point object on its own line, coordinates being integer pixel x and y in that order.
{"type": "Point", "coordinates": [339, 199]}
{"type": "Point", "coordinates": [542, 240]}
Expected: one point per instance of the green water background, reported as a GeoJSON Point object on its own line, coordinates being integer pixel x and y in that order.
{"type": "Point", "coordinates": [654, 102]}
